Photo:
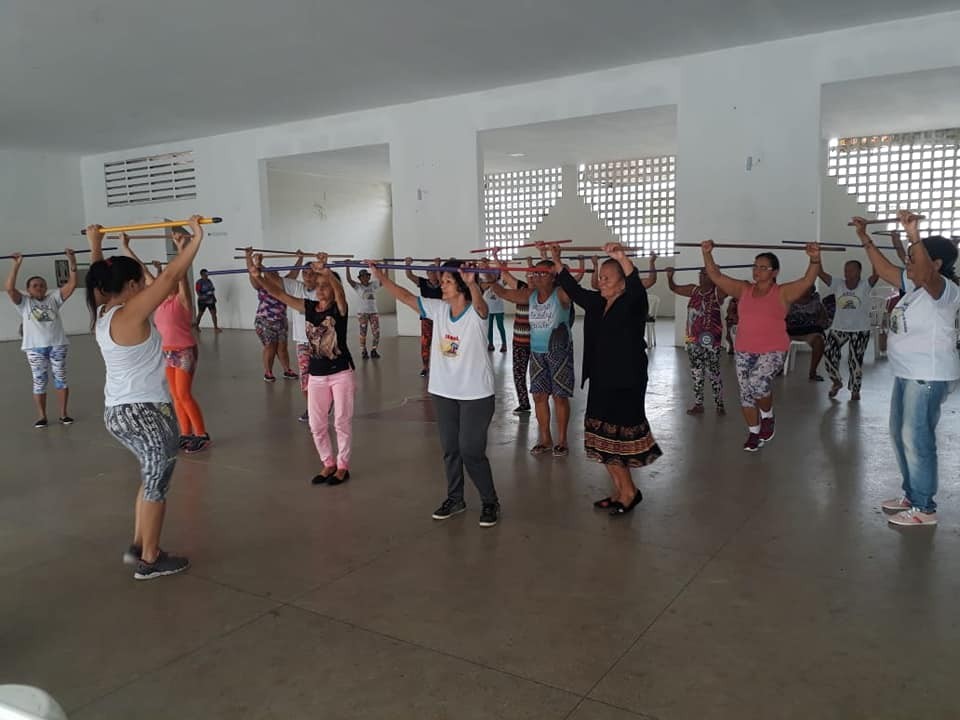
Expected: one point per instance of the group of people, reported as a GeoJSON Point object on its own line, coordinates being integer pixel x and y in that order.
{"type": "Point", "coordinates": [144, 321]}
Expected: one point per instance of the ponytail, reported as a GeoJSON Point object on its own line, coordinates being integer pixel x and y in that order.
{"type": "Point", "coordinates": [107, 278]}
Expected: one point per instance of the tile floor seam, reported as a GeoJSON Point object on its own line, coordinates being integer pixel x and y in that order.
{"type": "Point", "coordinates": [182, 656]}
{"type": "Point", "coordinates": [677, 595]}
{"type": "Point", "coordinates": [642, 716]}
{"type": "Point", "coordinates": [437, 651]}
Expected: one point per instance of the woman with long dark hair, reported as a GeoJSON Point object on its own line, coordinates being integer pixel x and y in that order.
{"type": "Point", "coordinates": [461, 383]}
{"type": "Point", "coordinates": [922, 348]}
{"type": "Point", "coordinates": [139, 413]}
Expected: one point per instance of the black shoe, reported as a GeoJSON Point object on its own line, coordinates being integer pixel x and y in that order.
{"type": "Point", "coordinates": [374, 354]}
{"type": "Point", "coordinates": [423, 373]}
{"type": "Point", "coordinates": [290, 375]}
{"type": "Point", "coordinates": [132, 555]}
{"type": "Point", "coordinates": [490, 514]}
{"type": "Point", "coordinates": [334, 480]}
{"type": "Point", "coordinates": [184, 441]}
{"type": "Point", "coordinates": [41, 423]}
{"type": "Point", "coordinates": [198, 444]}
{"type": "Point", "coordinates": [164, 565]}
{"type": "Point", "coordinates": [66, 420]}
{"type": "Point", "coordinates": [521, 410]}
{"type": "Point", "coordinates": [305, 418]}
{"type": "Point", "coordinates": [621, 509]}
{"type": "Point", "coordinates": [365, 355]}
{"type": "Point", "coordinates": [449, 509]}
{"type": "Point", "coordinates": [322, 479]}
{"type": "Point", "coordinates": [267, 377]}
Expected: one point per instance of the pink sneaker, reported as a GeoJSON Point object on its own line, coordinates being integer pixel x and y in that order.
{"type": "Point", "coordinates": [767, 430]}
{"type": "Point", "coordinates": [896, 504]}
{"type": "Point", "coordinates": [753, 443]}
{"type": "Point", "coordinates": [913, 517]}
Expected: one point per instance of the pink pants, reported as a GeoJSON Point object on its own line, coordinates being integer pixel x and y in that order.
{"type": "Point", "coordinates": [339, 390]}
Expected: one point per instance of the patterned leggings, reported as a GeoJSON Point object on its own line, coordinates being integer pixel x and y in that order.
{"type": "Point", "coordinates": [836, 339]}
{"type": "Point", "coordinates": [426, 334]}
{"type": "Point", "coordinates": [521, 361]}
{"type": "Point", "coordinates": [44, 359]}
{"type": "Point", "coordinates": [705, 360]}
{"type": "Point", "coordinates": [373, 320]}
{"type": "Point", "coordinates": [150, 432]}
{"type": "Point", "coordinates": [755, 374]}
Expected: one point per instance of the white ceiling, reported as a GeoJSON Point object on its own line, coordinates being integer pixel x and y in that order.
{"type": "Point", "coordinates": [614, 136]}
{"type": "Point", "coordinates": [893, 103]}
{"type": "Point", "coordinates": [92, 75]}
{"type": "Point", "coordinates": [367, 163]}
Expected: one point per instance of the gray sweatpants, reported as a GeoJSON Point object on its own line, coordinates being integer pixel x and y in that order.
{"type": "Point", "coordinates": [463, 426]}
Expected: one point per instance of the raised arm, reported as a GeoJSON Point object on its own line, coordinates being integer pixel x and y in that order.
{"type": "Point", "coordinates": [925, 272]}
{"type": "Point", "coordinates": [595, 276]}
{"type": "Point", "coordinates": [339, 296]}
{"type": "Point", "coordinates": [128, 251]}
{"type": "Point", "coordinates": [185, 292]}
{"type": "Point", "coordinates": [881, 266]}
{"type": "Point", "coordinates": [571, 287]}
{"type": "Point", "coordinates": [476, 292]}
{"type": "Point", "coordinates": [651, 279]}
{"type": "Point", "coordinates": [410, 275]}
{"type": "Point", "coordinates": [353, 283]}
{"type": "Point", "coordinates": [67, 290]}
{"type": "Point", "coordinates": [898, 246]}
{"type": "Point", "coordinates": [825, 277]}
{"type": "Point", "coordinates": [684, 290]}
{"type": "Point", "coordinates": [792, 291]}
{"type": "Point", "coordinates": [253, 263]}
{"type": "Point", "coordinates": [141, 306]}
{"type": "Point", "coordinates": [95, 240]}
{"type": "Point", "coordinates": [274, 285]}
{"type": "Point", "coordinates": [292, 274]}
{"type": "Point", "coordinates": [400, 293]}
{"type": "Point", "coordinates": [11, 284]}
{"type": "Point", "coordinates": [729, 285]}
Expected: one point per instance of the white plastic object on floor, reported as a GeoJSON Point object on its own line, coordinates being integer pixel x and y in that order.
{"type": "Point", "coordinates": [22, 702]}
{"type": "Point", "coordinates": [791, 360]}
{"type": "Point", "coordinates": [652, 310]}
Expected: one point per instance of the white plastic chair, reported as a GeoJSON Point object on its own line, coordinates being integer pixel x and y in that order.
{"type": "Point", "coordinates": [791, 360]}
{"type": "Point", "coordinates": [22, 702]}
{"type": "Point", "coordinates": [654, 308]}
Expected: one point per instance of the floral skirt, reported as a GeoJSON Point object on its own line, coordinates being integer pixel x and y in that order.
{"type": "Point", "coordinates": [616, 431]}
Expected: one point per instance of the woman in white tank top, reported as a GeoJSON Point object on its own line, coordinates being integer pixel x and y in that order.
{"type": "Point", "coordinates": [138, 410]}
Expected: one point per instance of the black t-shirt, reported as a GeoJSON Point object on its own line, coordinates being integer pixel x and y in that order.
{"type": "Point", "coordinates": [327, 338]}
{"type": "Point", "coordinates": [429, 291]}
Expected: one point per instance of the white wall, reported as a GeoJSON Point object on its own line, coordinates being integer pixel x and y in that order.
{"type": "Point", "coordinates": [761, 101]}
{"type": "Point", "coordinates": [41, 204]}
{"type": "Point", "coordinates": [571, 218]}
{"type": "Point", "coordinates": [357, 218]}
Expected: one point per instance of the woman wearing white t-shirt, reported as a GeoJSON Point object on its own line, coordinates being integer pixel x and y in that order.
{"type": "Point", "coordinates": [44, 341]}
{"type": "Point", "coordinates": [922, 350]}
{"type": "Point", "coordinates": [367, 315]}
{"type": "Point", "coordinates": [851, 323]}
{"type": "Point", "coordinates": [461, 384]}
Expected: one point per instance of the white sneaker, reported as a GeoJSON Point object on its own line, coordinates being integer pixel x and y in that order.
{"type": "Point", "coordinates": [896, 504]}
{"type": "Point", "coordinates": [913, 517]}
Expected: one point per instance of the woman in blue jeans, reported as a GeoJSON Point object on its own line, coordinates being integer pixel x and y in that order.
{"type": "Point", "coordinates": [922, 348]}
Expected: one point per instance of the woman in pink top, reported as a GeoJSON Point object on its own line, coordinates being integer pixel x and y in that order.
{"type": "Point", "coordinates": [762, 341]}
{"type": "Point", "coordinates": [174, 321]}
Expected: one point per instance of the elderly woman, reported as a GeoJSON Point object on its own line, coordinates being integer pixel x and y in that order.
{"type": "Point", "coordinates": [923, 356]}
{"type": "Point", "coordinates": [616, 432]}
{"type": "Point", "coordinates": [762, 341]}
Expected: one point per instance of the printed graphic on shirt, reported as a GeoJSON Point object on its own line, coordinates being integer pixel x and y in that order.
{"type": "Point", "coordinates": [898, 318]}
{"type": "Point", "coordinates": [323, 339]}
{"type": "Point", "coordinates": [450, 345]}
{"type": "Point", "coordinates": [43, 313]}
{"type": "Point", "coordinates": [848, 302]}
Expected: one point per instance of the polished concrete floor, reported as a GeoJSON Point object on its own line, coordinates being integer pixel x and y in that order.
{"type": "Point", "coordinates": [745, 586]}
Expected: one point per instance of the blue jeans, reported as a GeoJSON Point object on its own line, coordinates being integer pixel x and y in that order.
{"type": "Point", "coordinates": [914, 413]}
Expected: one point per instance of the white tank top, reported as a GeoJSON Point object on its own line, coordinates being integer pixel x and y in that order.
{"type": "Point", "coordinates": [135, 373]}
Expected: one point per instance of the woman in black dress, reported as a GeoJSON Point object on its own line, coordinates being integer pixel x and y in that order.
{"type": "Point", "coordinates": [616, 432]}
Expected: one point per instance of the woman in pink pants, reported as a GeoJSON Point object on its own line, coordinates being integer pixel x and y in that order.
{"type": "Point", "coordinates": [332, 377]}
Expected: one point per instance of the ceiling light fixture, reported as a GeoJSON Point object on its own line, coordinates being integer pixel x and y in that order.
{"type": "Point", "coordinates": [517, 154]}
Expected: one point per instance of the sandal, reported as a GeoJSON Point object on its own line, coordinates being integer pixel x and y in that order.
{"type": "Point", "coordinates": [621, 509]}
{"type": "Point", "coordinates": [539, 449]}
{"type": "Point", "coordinates": [815, 378]}
{"type": "Point", "coordinates": [604, 503]}
{"type": "Point", "coordinates": [834, 390]}
{"type": "Point", "coordinates": [560, 451]}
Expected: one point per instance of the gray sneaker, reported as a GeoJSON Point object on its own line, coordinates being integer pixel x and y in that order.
{"type": "Point", "coordinates": [164, 565]}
